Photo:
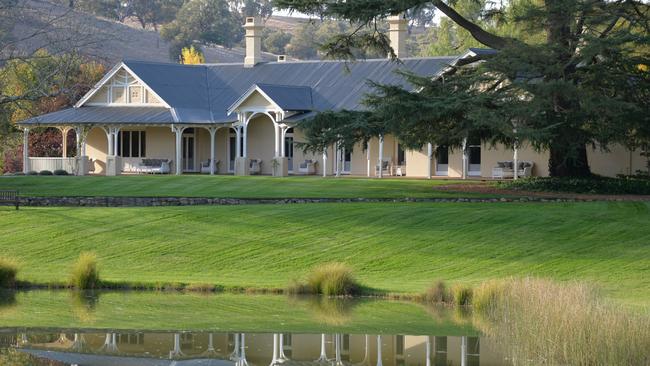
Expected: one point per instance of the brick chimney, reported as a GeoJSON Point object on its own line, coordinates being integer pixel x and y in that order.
{"type": "Point", "coordinates": [253, 28]}
{"type": "Point", "coordinates": [397, 34]}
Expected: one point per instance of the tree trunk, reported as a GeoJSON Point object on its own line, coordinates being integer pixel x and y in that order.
{"type": "Point", "coordinates": [568, 150]}
{"type": "Point", "coordinates": [568, 160]}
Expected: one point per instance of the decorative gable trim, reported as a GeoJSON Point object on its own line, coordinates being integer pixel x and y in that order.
{"type": "Point", "coordinates": [101, 83]}
{"type": "Point", "coordinates": [255, 88]}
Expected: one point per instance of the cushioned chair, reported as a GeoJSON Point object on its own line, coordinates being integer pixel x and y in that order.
{"type": "Point", "coordinates": [155, 166]}
{"type": "Point", "coordinates": [205, 166]}
{"type": "Point", "coordinates": [255, 166]}
{"type": "Point", "coordinates": [385, 168]}
{"type": "Point", "coordinates": [308, 167]}
{"type": "Point", "coordinates": [505, 169]}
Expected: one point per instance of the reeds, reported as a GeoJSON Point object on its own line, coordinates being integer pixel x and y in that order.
{"type": "Point", "coordinates": [329, 279]}
{"type": "Point", "coordinates": [542, 322]}
{"type": "Point", "coordinates": [85, 274]}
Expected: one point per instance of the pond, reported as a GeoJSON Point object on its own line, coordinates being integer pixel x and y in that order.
{"type": "Point", "coordinates": [58, 328]}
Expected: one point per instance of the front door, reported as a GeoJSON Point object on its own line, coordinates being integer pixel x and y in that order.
{"type": "Point", "coordinates": [189, 148]}
{"type": "Point", "coordinates": [288, 148]}
{"type": "Point", "coordinates": [474, 168]}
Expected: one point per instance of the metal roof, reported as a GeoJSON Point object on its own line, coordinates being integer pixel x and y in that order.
{"type": "Point", "coordinates": [203, 93]}
{"type": "Point", "coordinates": [289, 98]}
{"type": "Point", "coordinates": [106, 115]}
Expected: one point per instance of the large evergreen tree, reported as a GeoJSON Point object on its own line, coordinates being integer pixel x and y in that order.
{"type": "Point", "coordinates": [572, 75]}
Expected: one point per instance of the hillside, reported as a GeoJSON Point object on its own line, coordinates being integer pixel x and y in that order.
{"type": "Point", "coordinates": [44, 24]}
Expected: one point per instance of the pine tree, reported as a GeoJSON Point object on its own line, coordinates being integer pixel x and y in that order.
{"type": "Point", "coordinates": [566, 78]}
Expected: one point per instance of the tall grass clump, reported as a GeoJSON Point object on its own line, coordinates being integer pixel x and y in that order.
{"type": "Point", "coordinates": [462, 295]}
{"type": "Point", "coordinates": [84, 274]}
{"type": "Point", "coordinates": [542, 322]}
{"type": "Point", "coordinates": [8, 272]}
{"type": "Point", "coordinates": [329, 279]}
{"type": "Point", "coordinates": [438, 293]}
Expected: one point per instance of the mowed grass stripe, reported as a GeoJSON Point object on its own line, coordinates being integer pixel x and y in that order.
{"type": "Point", "coordinates": [393, 247]}
{"type": "Point", "coordinates": [224, 186]}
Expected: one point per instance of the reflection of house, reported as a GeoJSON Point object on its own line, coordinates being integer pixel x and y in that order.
{"type": "Point", "coordinates": [299, 349]}
{"type": "Point", "coordinates": [154, 117]}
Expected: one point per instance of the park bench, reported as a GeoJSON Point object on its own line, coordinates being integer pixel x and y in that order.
{"type": "Point", "coordinates": [9, 197]}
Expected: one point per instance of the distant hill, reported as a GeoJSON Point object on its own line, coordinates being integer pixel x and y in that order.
{"type": "Point", "coordinates": [44, 23]}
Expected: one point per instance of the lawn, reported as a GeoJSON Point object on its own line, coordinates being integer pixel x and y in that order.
{"type": "Point", "coordinates": [224, 186]}
{"type": "Point", "coordinates": [393, 247]}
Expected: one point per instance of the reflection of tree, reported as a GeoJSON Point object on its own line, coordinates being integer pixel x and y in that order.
{"type": "Point", "coordinates": [84, 304]}
{"type": "Point", "coordinates": [323, 352]}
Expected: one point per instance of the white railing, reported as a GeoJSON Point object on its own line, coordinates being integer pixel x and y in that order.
{"type": "Point", "coordinates": [52, 164]}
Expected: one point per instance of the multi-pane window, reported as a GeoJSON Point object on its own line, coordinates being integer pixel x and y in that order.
{"type": "Point", "coordinates": [132, 144]}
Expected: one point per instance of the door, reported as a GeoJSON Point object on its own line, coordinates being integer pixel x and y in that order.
{"type": "Point", "coordinates": [232, 152]}
{"type": "Point", "coordinates": [347, 161]}
{"type": "Point", "coordinates": [189, 150]}
{"type": "Point", "coordinates": [288, 148]}
{"type": "Point", "coordinates": [474, 158]}
{"type": "Point", "coordinates": [442, 160]}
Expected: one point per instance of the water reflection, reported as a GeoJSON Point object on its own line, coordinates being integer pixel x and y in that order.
{"type": "Point", "coordinates": [245, 349]}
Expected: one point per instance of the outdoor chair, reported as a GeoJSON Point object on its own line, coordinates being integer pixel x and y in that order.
{"type": "Point", "coordinates": [505, 169]}
{"type": "Point", "coordinates": [385, 168]}
{"type": "Point", "coordinates": [205, 166]}
{"type": "Point", "coordinates": [154, 166]}
{"type": "Point", "coordinates": [255, 166]}
{"type": "Point", "coordinates": [308, 167]}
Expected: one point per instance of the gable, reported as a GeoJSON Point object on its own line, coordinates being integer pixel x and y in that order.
{"type": "Point", "coordinates": [123, 89]}
{"type": "Point", "coordinates": [257, 100]}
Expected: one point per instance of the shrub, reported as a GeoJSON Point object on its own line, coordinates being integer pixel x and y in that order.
{"type": "Point", "coordinates": [85, 274]}
{"type": "Point", "coordinates": [593, 185]}
{"type": "Point", "coordinates": [45, 172]}
{"type": "Point", "coordinates": [330, 279]}
{"type": "Point", "coordinates": [8, 272]}
{"type": "Point", "coordinates": [32, 172]}
{"type": "Point", "coordinates": [437, 293]}
{"type": "Point", "coordinates": [60, 172]}
{"type": "Point", "coordinates": [462, 295]}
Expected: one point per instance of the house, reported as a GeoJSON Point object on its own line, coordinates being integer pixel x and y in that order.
{"type": "Point", "coordinates": [243, 118]}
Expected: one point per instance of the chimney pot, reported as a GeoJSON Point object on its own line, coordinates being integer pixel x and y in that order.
{"type": "Point", "coordinates": [253, 28]}
{"type": "Point", "coordinates": [397, 26]}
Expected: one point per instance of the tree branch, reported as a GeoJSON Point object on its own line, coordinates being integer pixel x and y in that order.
{"type": "Point", "coordinates": [489, 39]}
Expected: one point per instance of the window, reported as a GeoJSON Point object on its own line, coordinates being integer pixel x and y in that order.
{"type": "Point", "coordinates": [135, 94]}
{"type": "Point", "coordinates": [132, 144]}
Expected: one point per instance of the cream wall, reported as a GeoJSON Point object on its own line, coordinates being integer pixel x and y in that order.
{"type": "Point", "coordinates": [261, 143]}
{"type": "Point", "coordinates": [97, 149]}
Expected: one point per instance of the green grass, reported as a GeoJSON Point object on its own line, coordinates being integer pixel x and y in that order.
{"type": "Point", "coordinates": [154, 311]}
{"type": "Point", "coordinates": [226, 186]}
{"type": "Point", "coordinates": [392, 247]}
